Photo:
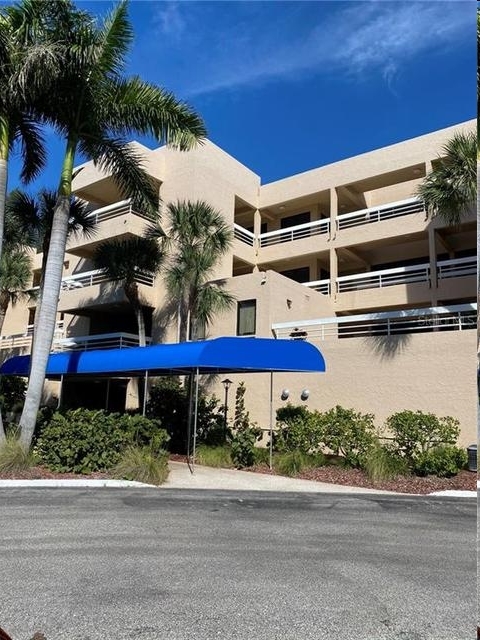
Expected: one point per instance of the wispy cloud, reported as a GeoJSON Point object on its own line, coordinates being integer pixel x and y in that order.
{"type": "Point", "coordinates": [229, 45]}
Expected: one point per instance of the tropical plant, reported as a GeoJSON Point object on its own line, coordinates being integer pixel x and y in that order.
{"type": "Point", "coordinates": [381, 463]}
{"type": "Point", "coordinates": [450, 189]}
{"type": "Point", "coordinates": [14, 456]}
{"type": "Point", "coordinates": [95, 108]}
{"type": "Point", "coordinates": [347, 433]}
{"type": "Point", "coordinates": [15, 275]}
{"type": "Point", "coordinates": [142, 464]}
{"type": "Point", "coordinates": [196, 239]}
{"type": "Point", "coordinates": [443, 461]}
{"type": "Point", "coordinates": [126, 261]}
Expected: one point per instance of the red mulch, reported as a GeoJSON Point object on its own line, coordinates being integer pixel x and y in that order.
{"type": "Point", "coordinates": [42, 473]}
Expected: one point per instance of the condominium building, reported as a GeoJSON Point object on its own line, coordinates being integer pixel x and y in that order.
{"type": "Point", "coordinates": [343, 255]}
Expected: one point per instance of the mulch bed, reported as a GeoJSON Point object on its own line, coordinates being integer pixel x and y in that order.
{"type": "Point", "coordinates": [334, 474]}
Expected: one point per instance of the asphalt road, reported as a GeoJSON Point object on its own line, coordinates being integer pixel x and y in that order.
{"type": "Point", "coordinates": [147, 564]}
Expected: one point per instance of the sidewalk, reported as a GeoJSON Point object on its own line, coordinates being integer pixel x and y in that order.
{"type": "Point", "coordinates": [180, 477]}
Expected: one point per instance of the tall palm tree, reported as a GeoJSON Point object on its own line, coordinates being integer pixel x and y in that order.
{"type": "Point", "coordinates": [124, 261]}
{"type": "Point", "coordinates": [196, 239]}
{"type": "Point", "coordinates": [95, 108]}
{"type": "Point", "coordinates": [450, 190]}
{"type": "Point", "coordinates": [15, 275]}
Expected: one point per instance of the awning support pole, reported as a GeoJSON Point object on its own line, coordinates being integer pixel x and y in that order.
{"type": "Point", "coordinates": [145, 383]}
{"type": "Point", "coordinates": [195, 419]}
{"type": "Point", "coordinates": [60, 393]}
{"type": "Point", "coordinates": [107, 399]}
{"type": "Point", "coordinates": [270, 461]}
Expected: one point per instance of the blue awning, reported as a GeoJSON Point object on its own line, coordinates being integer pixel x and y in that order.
{"type": "Point", "coordinates": [219, 355]}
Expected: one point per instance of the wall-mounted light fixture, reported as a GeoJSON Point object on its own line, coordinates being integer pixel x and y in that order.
{"type": "Point", "coordinates": [305, 394]}
{"type": "Point", "coordinates": [285, 393]}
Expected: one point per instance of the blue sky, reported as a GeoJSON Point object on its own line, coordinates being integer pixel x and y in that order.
{"type": "Point", "coordinates": [288, 86]}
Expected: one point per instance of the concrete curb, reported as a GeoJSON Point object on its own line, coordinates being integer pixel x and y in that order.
{"type": "Point", "coordinates": [73, 482]}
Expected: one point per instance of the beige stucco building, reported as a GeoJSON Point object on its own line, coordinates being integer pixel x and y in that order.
{"type": "Point", "coordinates": [342, 255]}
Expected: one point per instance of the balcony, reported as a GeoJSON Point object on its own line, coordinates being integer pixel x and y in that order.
{"type": "Point", "coordinates": [451, 318]}
{"type": "Point", "coordinates": [115, 220]}
{"type": "Point", "coordinates": [446, 269]}
{"type": "Point", "coordinates": [97, 276]}
{"type": "Point", "coordinates": [345, 221]}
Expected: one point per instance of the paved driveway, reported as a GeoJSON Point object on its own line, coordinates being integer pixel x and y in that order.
{"type": "Point", "coordinates": [171, 564]}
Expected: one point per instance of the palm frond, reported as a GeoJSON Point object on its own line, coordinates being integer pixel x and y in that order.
{"type": "Point", "coordinates": [122, 259]}
{"type": "Point", "coordinates": [115, 156]}
{"type": "Point", "coordinates": [115, 38]}
{"type": "Point", "coordinates": [134, 104]}
{"type": "Point", "coordinates": [211, 300]}
{"type": "Point", "coordinates": [15, 270]}
{"type": "Point", "coordinates": [21, 220]}
{"type": "Point", "coordinates": [28, 133]}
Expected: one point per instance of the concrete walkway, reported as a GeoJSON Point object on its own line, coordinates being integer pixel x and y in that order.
{"type": "Point", "coordinates": [180, 477]}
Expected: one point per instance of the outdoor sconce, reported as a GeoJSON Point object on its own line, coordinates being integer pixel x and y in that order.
{"type": "Point", "coordinates": [284, 395]}
{"type": "Point", "coordinates": [305, 394]}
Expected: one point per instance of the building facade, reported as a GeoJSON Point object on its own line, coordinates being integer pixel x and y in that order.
{"type": "Point", "coordinates": [342, 255]}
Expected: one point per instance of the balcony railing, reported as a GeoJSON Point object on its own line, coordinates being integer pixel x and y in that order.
{"type": "Point", "coordinates": [299, 231]}
{"type": "Point", "coordinates": [101, 341]}
{"type": "Point", "coordinates": [117, 209]}
{"type": "Point", "coordinates": [455, 268]}
{"type": "Point", "coordinates": [242, 234]}
{"type": "Point", "coordinates": [24, 339]}
{"type": "Point", "coordinates": [89, 278]}
{"type": "Point", "coordinates": [378, 214]}
{"type": "Point", "coordinates": [451, 318]}
{"type": "Point", "coordinates": [344, 221]}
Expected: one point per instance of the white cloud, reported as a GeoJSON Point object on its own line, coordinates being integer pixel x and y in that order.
{"type": "Point", "coordinates": [247, 48]}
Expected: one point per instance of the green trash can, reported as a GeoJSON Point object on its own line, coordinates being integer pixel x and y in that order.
{"type": "Point", "coordinates": [472, 457]}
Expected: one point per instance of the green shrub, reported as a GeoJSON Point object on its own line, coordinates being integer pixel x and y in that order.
{"type": "Point", "coordinates": [12, 394]}
{"type": "Point", "coordinates": [169, 403]}
{"type": "Point", "coordinates": [142, 464]}
{"type": "Point", "coordinates": [290, 412]}
{"type": "Point", "coordinates": [415, 432]}
{"type": "Point", "coordinates": [293, 462]}
{"type": "Point", "coordinates": [243, 446]}
{"type": "Point", "coordinates": [380, 463]}
{"type": "Point", "coordinates": [347, 433]}
{"type": "Point", "coordinates": [214, 456]}
{"type": "Point", "coordinates": [82, 440]}
{"type": "Point", "coordinates": [14, 457]}
{"type": "Point", "coordinates": [299, 433]}
{"type": "Point", "coordinates": [443, 461]}
{"type": "Point", "coordinates": [261, 455]}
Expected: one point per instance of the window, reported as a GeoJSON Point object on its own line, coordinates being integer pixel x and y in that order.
{"type": "Point", "coordinates": [246, 317]}
{"type": "Point", "coordinates": [263, 228]}
{"type": "Point", "coordinates": [299, 275]}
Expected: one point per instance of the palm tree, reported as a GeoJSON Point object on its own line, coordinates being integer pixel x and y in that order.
{"type": "Point", "coordinates": [15, 274]}
{"type": "Point", "coordinates": [95, 108]}
{"type": "Point", "coordinates": [450, 190]}
{"type": "Point", "coordinates": [125, 261]}
{"type": "Point", "coordinates": [196, 240]}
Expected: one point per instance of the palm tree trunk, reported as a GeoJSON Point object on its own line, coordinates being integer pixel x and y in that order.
{"type": "Point", "coordinates": [4, 140]}
{"type": "Point", "coordinates": [131, 291]}
{"type": "Point", "coordinates": [47, 314]}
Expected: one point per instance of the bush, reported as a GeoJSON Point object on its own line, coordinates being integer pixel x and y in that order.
{"type": "Point", "coordinates": [444, 462]}
{"type": "Point", "coordinates": [347, 433]}
{"type": "Point", "coordinates": [15, 457]}
{"type": "Point", "coordinates": [415, 432]}
{"type": "Point", "coordinates": [142, 464]}
{"type": "Point", "coordinates": [82, 441]}
{"type": "Point", "coordinates": [243, 446]}
{"type": "Point", "coordinates": [299, 431]}
{"type": "Point", "coordinates": [293, 462]}
{"type": "Point", "coordinates": [12, 394]}
{"type": "Point", "coordinates": [214, 456]}
{"type": "Point", "coordinates": [261, 455]}
{"type": "Point", "coordinates": [380, 463]}
{"type": "Point", "coordinates": [169, 403]}
{"type": "Point", "coordinates": [291, 412]}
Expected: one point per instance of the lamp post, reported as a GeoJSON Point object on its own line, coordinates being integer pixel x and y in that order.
{"type": "Point", "coordinates": [226, 385]}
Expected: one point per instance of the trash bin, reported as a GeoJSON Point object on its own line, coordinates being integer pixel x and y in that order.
{"type": "Point", "coordinates": [472, 457]}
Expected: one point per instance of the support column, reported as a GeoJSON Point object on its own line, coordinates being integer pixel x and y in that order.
{"type": "Point", "coordinates": [333, 212]}
{"type": "Point", "coordinates": [257, 226]}
{"type": "Point", "coordinates": [333, 273]}
{"type": "Point", "coordinates": [432, 253]}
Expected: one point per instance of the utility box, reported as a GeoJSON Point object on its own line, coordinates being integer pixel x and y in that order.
{"type": "Point", "coordinates": [472, 457]}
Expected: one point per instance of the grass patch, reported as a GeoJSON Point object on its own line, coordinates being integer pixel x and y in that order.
{"type": "Point", "coordinates": [14, 456]}
{"type": "Point", "coordinates": [262, 455]}
{"type": "Point", "coordinates": [214, 456]}
{"type": "Point", "coordinates": [381, 464]}
{"type": "Point", "coordinates": [294, 462]}
{"type": "Point", "coordinates": [143, 465]}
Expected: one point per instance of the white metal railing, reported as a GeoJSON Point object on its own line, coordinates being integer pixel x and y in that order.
{"type": "Point", "coordinates": [457, 267]}
{"type": "Point", "coordinates": [242, 234]}
{"type": "Point", "coordinates": [296, 232]}
{"type": "Point", "coordinates": [24, 339]}
{"type": "Point", "coordinates": [121, 208]}
{"type": "Point", "coordinates": [384, 278]}
{"type": "Point", "coordinates": [97, 276]}
{"type": "Point", "coordinates": [101, 341]}
{"type": "Point", "coordinates": [322, 286]}
{"type": "Point", "coordinates": [344, 221]}
{"type": "Point", "coordinates": [389, 323]}
{"type": "Point", "coordinates": [378, 214]}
